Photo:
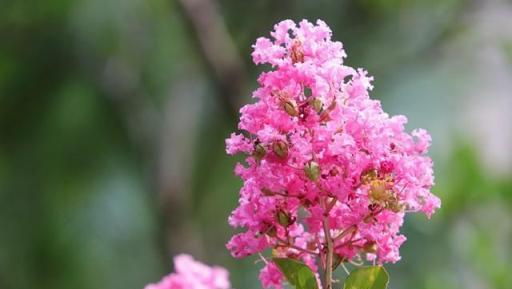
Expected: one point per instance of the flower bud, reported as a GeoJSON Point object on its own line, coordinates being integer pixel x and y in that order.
{"type": "Point", "coordinates": [283, 218]}
{"type": "Point", "coordinates": [312, 170]}
{"type": "Point", "coordinates": [297, 53]}
{"type": "Point", "coordinates": [259, 151]}
{"type": "Point", "coordinates": [290, 108]}
{"type": "Point", "coordinates": [280, 148]}
{"type": "Point", "coordinates": [370, 247]}
{"type": "Point", "coordinates": [316, 104]}
{"type": "Point", "coordinates": [272, 232]}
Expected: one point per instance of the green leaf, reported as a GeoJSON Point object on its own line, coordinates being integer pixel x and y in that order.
{"type": "Point", "coordinates": [297, 273]}
{"type": "Point", "coordinates": [374, 277]}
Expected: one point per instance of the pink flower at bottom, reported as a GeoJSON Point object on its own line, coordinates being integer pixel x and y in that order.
{"type": "Point", "coordinates": [191, 274]}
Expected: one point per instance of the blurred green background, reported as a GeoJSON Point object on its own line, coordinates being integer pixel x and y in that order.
{"type": "Point", "coordinates": [113, 116]}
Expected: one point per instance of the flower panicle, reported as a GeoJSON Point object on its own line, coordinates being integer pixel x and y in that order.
{"type": "Point", "coordinates": [325, 166]}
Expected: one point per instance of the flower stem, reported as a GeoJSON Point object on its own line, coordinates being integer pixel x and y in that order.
{"type": "Point", "coordinates": [329, 257]}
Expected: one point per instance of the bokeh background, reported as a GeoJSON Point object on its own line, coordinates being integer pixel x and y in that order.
{"type": "Point", "coordinates": [113, 116]}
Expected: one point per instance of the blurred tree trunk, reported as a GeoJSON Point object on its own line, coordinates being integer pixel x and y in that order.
{"type": "Point", "coordinates": [227, 72]}
{"type": "Point", "coordinates": [218, 52]}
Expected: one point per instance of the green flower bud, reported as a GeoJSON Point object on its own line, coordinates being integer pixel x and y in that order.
{"type": "Point", "coordinates": [370, 247]}
{"type": "Point", "coordinates": [312, 170]}
{"type": "Point", "coordinates": [290, 108]}
{"type": "Point", "coordinates": [259, 151]}
{"type": "Point", "coordinates": [280, 148]}
{"type": "Point", "coordinates": [283, 218]}
{"type": "Point", "coordinates": [272, 232]}
{"type": "Point", "coordinates": [316, 104]}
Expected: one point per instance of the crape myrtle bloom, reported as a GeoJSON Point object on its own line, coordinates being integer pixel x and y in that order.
{"type": "Point", "coordinates": [191, 274]}
{"type": "Point", "coordinates": [328, 175]}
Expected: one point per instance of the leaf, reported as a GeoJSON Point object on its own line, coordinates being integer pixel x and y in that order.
{"type": "Point", "coordinates": [297, 273]}
{"type": "Point", "coordinates": [374, 277]}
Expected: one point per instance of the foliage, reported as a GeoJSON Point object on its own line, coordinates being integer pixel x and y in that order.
{"type": "Point", "coordinates": [297, 273]}
{"type": "Point", "coordinates": [374, 277]}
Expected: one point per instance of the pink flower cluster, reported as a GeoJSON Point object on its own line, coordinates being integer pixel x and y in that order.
{"type": "Point", "coordinates": [191, 274]}
{"type": "Point", "coordinates": [324, 162]}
